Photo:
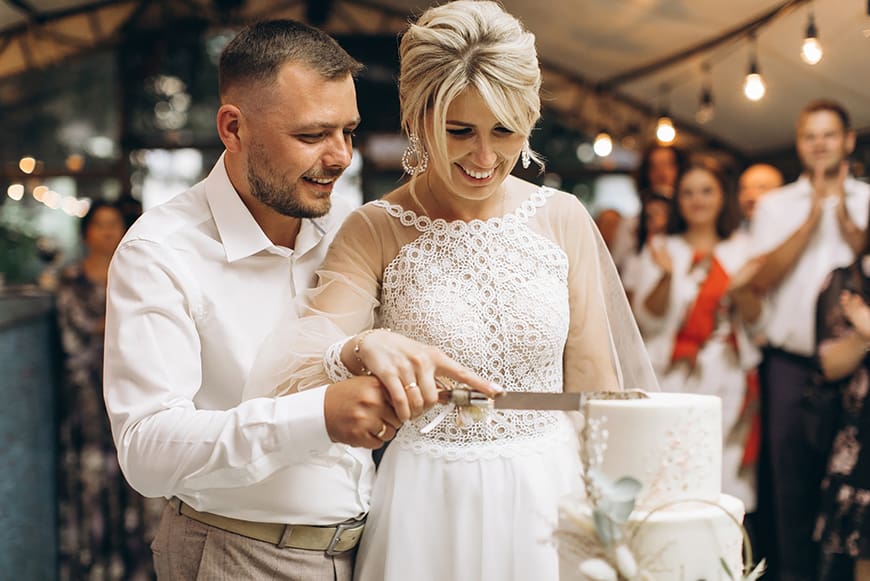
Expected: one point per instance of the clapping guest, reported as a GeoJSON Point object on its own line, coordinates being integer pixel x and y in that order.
{"type": "Point", "coordinates": [693, 306]}
{"type": "Point", "coordinates": [804, 230]}
{"type": "Point", "coordinates": [843, 336]}
{"type": "Point", "coordinates": [658, 170]}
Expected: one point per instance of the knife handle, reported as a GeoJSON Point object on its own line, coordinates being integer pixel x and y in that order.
{"type": "Point", "coordinates": [464, 397]}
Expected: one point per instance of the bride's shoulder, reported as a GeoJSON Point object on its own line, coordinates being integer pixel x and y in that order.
{"type": "Point", "coordinates": [555, 205]}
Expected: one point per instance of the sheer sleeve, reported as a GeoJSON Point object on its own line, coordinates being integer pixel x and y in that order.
{"type": "Point", "coordinates": [604, 349]}
{"type": "Point", "coordinates": [343, 303]}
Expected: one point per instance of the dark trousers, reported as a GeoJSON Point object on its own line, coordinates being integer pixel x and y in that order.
{"type": "Point", "coordinates": [790, 467]}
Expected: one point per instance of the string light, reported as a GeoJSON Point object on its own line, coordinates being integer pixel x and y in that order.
{"type": "Point", "coordinates": [603, 145]}
{"type": "Point", "coordinates": [27, 164]}
{"type": "Point", "coordinates": [754, 86]}
{"type": "Point", "coordinates": [666, 133]}
{"type": "Point", "coordinates": [811, 49]}
{"type": "Point", "coordinates": [15, 191]}
{"type": "Point", "coordinates": [706, 111]}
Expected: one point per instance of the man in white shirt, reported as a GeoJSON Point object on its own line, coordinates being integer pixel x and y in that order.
{"type": "Point", "coordinates": [805, 230]}
{"type": "Point", "coordinates": [755, 181]}
{"type": "Point", "coordinates": [270, 487]}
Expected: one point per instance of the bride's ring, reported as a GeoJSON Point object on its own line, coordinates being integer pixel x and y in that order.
{"type": "Point", "coordinates": [382, 432]}
{"type": "Point", "coordinates": [412, 385]}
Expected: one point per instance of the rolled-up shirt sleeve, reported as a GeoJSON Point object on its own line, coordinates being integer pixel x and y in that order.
{"type": "Point", "coordinates": [167, 445]}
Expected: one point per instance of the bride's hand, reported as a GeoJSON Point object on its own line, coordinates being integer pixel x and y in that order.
{"type": "Point", "coordinates": [408, 368]}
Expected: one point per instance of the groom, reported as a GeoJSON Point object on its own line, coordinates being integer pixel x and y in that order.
{"type": "Point", "coordinates": [257, 489]}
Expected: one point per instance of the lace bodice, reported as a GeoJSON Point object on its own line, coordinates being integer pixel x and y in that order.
{"type": "Point", "coordinates": [493, 295]}
{"type": "Point", "coordinates": [530, 300]}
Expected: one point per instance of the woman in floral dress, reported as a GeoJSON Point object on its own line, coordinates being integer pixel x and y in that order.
{"type": "Point", "coordinates": [843, 335]}
{"type": "Point", "coordinates": [105, 526]}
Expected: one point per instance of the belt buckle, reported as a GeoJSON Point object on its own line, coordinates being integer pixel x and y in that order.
{"type": "Point", "coordinates": [336, 538]}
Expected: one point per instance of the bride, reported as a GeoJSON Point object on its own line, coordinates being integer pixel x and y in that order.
{"type": "Point", "coordinates": [508, 279]}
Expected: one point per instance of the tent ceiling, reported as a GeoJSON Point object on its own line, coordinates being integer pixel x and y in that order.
{"type": "Point", "coordinates": [594, 52]}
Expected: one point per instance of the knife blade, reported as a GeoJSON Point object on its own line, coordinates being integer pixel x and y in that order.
{"type": "Point", "coordinates": [533, 400]}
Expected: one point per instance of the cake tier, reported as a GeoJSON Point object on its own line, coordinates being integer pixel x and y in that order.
{"type": "Point", "coordinates": [684, 542]}
{"type": "Point", "coordinates": [670, 442]}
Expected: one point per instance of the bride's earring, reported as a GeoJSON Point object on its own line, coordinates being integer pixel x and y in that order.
{"type": "Point", "coordinates": [526, 155]}
{"type": "Point", "coordinates": [415, 160]}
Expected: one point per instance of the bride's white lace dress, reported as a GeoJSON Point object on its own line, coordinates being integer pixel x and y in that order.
{"type": "Point", "coordinates": [526, 300]}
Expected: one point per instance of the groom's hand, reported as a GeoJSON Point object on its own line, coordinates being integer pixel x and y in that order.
{"type": "Point", "coordinates": [358, 413]}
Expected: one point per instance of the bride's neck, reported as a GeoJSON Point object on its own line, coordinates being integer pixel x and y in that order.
{"type": "Point", "coordinates": [436, 201]}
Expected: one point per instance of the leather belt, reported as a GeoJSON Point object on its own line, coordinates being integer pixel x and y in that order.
{"type": "Point", "coordinates": [331, 539]}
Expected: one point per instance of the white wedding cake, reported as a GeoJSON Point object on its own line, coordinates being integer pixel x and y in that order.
{"type": "Point", "coordinates": [663, 452]}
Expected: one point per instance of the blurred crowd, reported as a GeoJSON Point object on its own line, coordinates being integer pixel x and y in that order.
{"type": "Point", "coordinates": [758, 294]}
{"type": "Point", "coordinates": [749, 289]}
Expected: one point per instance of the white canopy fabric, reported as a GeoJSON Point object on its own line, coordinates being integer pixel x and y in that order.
{"type": "Point", "coordinates": [606, 61]}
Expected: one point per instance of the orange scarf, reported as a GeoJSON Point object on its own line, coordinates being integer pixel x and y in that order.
{"type": "Point", "coordinates": [701, 319]}
{"type": "Point", "coordinates": [697, 328]}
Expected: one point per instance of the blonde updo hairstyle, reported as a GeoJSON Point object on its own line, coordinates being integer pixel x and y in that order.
{"type": "Point", "coordinates": [462, 44]}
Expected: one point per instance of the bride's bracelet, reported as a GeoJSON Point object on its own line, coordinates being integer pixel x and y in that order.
{"type": "Point", "coordinates": [363, 370]}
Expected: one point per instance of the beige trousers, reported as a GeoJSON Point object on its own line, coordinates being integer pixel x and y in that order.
{"type": "Point", "coordinates": [188, 550]}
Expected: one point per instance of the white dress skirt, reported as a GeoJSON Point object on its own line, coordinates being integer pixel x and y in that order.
{"type": "Point", "coordinates": [529, 300]}
{"type": "Point", "coordinates": [487, 519]}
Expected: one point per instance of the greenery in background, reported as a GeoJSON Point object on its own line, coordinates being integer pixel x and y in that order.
{"type": "Point", "coordinates": [18, 260]}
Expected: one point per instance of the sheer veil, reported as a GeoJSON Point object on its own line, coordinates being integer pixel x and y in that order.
{"type": "Point", "coordinates": [604, 349]}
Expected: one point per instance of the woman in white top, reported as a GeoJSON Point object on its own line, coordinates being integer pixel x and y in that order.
{"type": "Point", "coordinates": [509, 279]}
{"type": "Point", "coordinates": [693, 306]}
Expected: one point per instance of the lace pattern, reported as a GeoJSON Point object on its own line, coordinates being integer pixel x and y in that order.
{"type": "Point", "coordinates": [333, 365]}
{"type": "Point", "coordinates": [492, 295]}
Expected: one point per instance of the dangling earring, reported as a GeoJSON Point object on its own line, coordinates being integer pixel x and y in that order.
{"type": "Point", "coordinates": [526, 155]}
{"type": "Point", "coordinates": [417, 153]}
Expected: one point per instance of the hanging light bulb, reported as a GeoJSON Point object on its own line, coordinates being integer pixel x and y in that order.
{"type": "Point", "coordinates": [705, 111]}
{"type": "Point", "coordinates": [665, 130]}
{"type": "Point", "coordinates": [753, 85]}
{"type": "Point", "coordinates": [811, 50]}
{"type": "Point", "coordinates": [603, 145]}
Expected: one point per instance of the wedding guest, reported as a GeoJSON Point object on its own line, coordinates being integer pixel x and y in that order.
{"type": "Point", "coordinates": [659, 167]}
{"type": "Point", "coordinates": [804, 229]}
{"type": "Point", "coordinates": [755, 181]}
{"type": "Point", "coordinates": [694, 305]}
{"type": "Point", "coordinates": [506, 277]}
{"type": "Point", "coordinates": [104, 525]}
{"type": "Point", "coordinates": [843, 337]}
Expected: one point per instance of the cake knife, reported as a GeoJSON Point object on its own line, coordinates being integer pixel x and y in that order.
{"type": "Point", "coordinates": [532, 400]}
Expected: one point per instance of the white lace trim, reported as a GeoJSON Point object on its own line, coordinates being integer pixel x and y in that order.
{"type": "Point", "coordinates": [333, 365]}
{"type": "Point", "coordinates": [493, 295]}
{"type": "Point", "coordinates": [424, 223]}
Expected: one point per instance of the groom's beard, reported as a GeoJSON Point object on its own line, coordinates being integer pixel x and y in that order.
{"type": "Point", "coordinates": [283, 197]}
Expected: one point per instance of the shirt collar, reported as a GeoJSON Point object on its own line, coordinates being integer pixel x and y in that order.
{"type": "Point", "coordinates": [239, 232]}
{"type": "Point", "coordinates": [805, 184]}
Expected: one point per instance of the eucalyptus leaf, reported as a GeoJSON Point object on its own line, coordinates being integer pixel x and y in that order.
{"type": "Point", "coordinates": [604, 527]}
{"type": "Point", "coordinates": [626, 488]}
{"type": "Point", "coordinates": [620, 510]}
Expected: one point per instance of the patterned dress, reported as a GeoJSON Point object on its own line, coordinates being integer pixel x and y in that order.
{"type": "Point", "coordinates": [843, 525]}
{"type": "Point", "coordinates": [105, 526]}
